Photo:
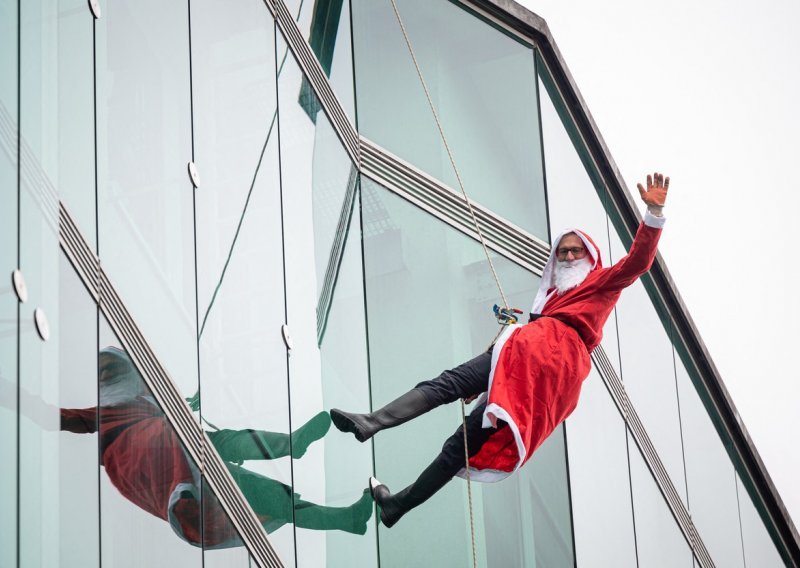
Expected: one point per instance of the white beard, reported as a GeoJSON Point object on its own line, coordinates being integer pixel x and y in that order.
{"type": "Point", "coordinates": [570, 273]}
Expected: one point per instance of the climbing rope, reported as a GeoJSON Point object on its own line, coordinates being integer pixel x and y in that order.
{"type": "Point", "coordinates": [505, 315]}
{"type": "Point", "coordinates": [450, 154]}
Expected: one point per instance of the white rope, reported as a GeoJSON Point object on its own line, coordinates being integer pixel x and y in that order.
{"type": "Point", "coordinates": [450, 154]}
{"type": "Point", "coordinates": [485, 251]}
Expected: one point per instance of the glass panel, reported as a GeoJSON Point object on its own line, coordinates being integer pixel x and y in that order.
{"type": "Point", "coordinates": [600, 480]}
{"type": "Point", "coordinates": [78, 479]}
{"type": "Point", "coordinates": [39, 534]}
{"type": "Point", "coordinates": [149, 486]}
{"type": "Point", "coordinates": [648, 371]}
{"type": "Point", "coordinates": [325, 315]}
{"type": "Point", "coordinates": [429, 296]}
{"type": "Point", "coordinates": [659, 540]}
{"type": "Point", "coordinates": [483, 84]}
{"type": "Point", "coordinates": [8, 262]}
{"type": "Point", "coordinates": [222, 546]}
{"type": "Point", "coordinates": [710, 478]}
{"type": "Point", "coordinates": [240, 256]}
{"type": "Point", "coordinates": [759, 550]}
{"type": "Point", "coordinates": [145, 196]}
{"type": "Point", "coordinates": [326, 26]}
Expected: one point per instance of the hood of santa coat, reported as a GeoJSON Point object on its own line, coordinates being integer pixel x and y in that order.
{"type": "Point", "coordinates": [548, 274]}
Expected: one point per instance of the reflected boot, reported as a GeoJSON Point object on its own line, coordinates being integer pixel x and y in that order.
{"type": "Point", "coordinates": [393, 507]}
{"type": "Point", "coordinates": [400, 410]}
{"type": "Point", "coordinates": [352, 519]}
{"type": "Point", "coordinates": [236, 446]}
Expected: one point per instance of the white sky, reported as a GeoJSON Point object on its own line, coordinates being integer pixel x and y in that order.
{"type": "Point", "coordinates": [707, 92]}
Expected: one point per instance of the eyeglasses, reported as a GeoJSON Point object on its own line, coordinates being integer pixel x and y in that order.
{"type": "Point", "coordinates": [577, 252]}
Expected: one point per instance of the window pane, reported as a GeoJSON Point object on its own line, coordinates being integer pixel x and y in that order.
{"type": "Point", "coordinates": [325, 314]}
{"type": "Point", "coordinates": [243, 366]}
{"type": "Point", "coordinates": [648, 372]}
{"type": "Point", "coordinates": [483, 85]}
{"type": "Point", "coordinates": [146, 233]}
{"type": "Point", "coordinates": [8, 262]}
{"type": "Point", "coordinates": [600, 480]}
{"type": "Point", "coordinates": [659, 540]}
{"type": "Point", "coordinates": [77, 472]}
{"type": "Point", "coordinates": [39, 534]}
{"type": "Point", "coordinates": [429, 296]}
{"type": "Point", "coordinates": [710, 478]}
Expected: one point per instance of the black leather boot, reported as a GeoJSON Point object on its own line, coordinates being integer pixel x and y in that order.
{"type": "Point", "coordinates": [400, 410]}
{"type": "Point", "coordinates": [393, 507]}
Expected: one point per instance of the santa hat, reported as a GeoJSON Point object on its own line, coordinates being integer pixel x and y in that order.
{"type": "Point", "coordinates": [549, 272]}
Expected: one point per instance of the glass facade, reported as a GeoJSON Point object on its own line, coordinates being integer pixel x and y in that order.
{"type": "Point", "coordinates": [287, 279]}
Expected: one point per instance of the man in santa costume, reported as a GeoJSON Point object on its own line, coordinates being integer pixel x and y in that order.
{"type": "Point", "coordinates": [531, 377]}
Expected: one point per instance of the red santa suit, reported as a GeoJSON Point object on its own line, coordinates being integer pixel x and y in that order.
{"type": "Point", "coordinates": [538, 368]}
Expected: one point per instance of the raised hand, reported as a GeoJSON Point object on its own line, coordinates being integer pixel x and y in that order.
{"type": "Point", "coordinates": [656, 193]}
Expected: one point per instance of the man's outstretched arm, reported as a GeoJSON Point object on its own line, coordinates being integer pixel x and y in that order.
{"type": "Point", "coordinates": [643, 250]}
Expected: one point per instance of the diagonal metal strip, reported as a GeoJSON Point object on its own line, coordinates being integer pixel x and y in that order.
{"type": "Point", "coordinates": [336, 254]}
{"type": "Point", "coordinates": [172, 403]}
{"type": "Point", "coordinates": [637, 430]}
{"type": "Point", "coordinates": [312, 70]}
{"type": "Point", "coordinates": [446, 204]}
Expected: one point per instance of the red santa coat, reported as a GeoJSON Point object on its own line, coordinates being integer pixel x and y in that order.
{"type": "Point", "coordinates": [145, 461]}
{"type": "Point", "coordinates": [538, 368]}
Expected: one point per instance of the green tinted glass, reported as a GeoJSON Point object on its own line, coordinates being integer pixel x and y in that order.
{"type": "Point", "coordinates": [483, 85]}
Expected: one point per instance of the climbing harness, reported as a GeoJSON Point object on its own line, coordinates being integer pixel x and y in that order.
{"type": "Point", "coordinates": [505, 315]}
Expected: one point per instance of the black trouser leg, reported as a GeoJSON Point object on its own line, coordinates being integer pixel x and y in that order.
{"type": "Point", "coordinates": [449, 462]}
{"type": "Point", "coordinates": [467, 379]}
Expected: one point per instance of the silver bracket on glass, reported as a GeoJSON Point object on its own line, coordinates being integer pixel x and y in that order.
{"type": "Point", "coordinates": [18, 281]}
{"type": "Point", "coordinates": [42, 327]}
{"type": "Point", "coordinates": [94, 6]}
{"type": "Point", "coordinates": [287, 339]}
{"type": "Point", "coordinates": [193, 175]}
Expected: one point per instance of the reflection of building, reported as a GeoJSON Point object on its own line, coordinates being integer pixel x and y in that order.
{"type": "Point", "coordinates": [355, 240]}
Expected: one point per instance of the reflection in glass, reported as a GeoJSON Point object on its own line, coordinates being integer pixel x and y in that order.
{"type": "Point", "coordinates": [325, 313]}
{"type": "Point", "coordinates": [429, 290]}
{"type": "Point", "coordinates": [483, 85]}
{"type": "Point", "coordinates": [8, 262]}
{"type": "Point", "coordinates": [146, 218]}
{"type": "Point", "coordinates": [240, 283]}
{"type": "Point", "coordinates": [326, 26]}
{"type": "Point", "coordinates": [144, 459]}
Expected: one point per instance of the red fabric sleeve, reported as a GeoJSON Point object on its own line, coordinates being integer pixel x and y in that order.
{"type": "Point", "coordinates": [639, 259]}
{"type": "Point", "coordinates": [80, 421]}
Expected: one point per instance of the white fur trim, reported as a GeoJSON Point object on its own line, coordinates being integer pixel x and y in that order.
{"type": "Point", "coordinates": [498, 346]}
{"type": "Point", "coordinates": [652, 221]}
{"type": "Point", "coordinates": [484, 475]}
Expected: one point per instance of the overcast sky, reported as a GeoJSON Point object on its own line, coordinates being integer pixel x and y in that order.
{"type": "Point", "coordinates": [708, 92]}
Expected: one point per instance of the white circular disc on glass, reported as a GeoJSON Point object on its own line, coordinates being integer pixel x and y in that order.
{"type": "Point", "coordinates": [18, 281]}
{"type": "Point", "coordinates": [42, 327]}
{"type": "Point", "coordinates": [94, 6]}
{"type": "Point", "coordinates": [287, 339]}
{"type": "Point", "coordinates": [193, 175]}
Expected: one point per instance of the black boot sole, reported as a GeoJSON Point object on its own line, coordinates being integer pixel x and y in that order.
{"type": "Point", "coordinates": [344, 423]}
